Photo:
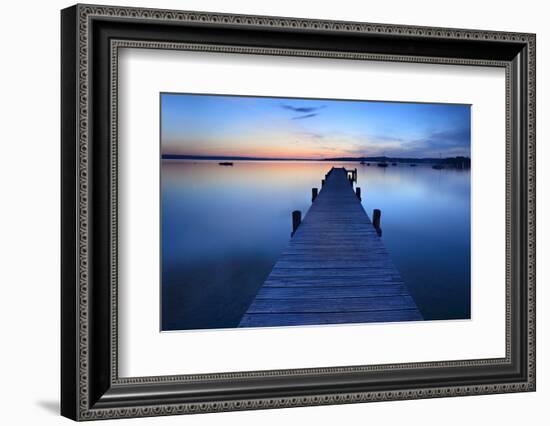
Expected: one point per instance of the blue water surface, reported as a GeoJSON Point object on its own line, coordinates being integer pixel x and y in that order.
{"type": "Point", "coordinates": [223, 228]}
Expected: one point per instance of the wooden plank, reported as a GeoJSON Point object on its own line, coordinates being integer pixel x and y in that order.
{"type": "Point", "coordinates": [349, 304]}
{"type": "Point", "coordinates": [288, 319]}
{"type": "Point", "coordinates": [335, 269]}
{"type": "Point", "coordinates": [332, 263]}
{"type": "Point", "coordinates": [332, 282]}
{"type": "Point", "coordinates": [326, 292]}
{"type": "Point", "coordinates": [330, 272]}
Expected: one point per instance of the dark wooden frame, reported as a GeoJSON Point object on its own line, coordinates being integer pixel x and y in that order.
{"type": "Point", "coordinates": [90, 386]}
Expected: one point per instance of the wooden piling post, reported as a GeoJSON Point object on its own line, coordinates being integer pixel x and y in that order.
{"type": "Point", "coordinates": [358, 193]}
{"type": "Point", "coordinates": [296, 220]}
{"type": "Point", "coordinates": [355, 174]}
{"type": "Point", "coordinates": [376, 214]}
{"type": "Point", "coordinates": [314, 193]}
{"type": "Point", "coordinates": [322, 183]}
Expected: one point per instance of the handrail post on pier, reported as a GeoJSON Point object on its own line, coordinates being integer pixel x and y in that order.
{"type": "Point", "coordinates": [376, 214]}
{"type": "Point", "coordinates": [358, 193]}
{"type": "Point", "coordinates": [296, 220]}
{"type": "Point", "coordinates": [314, 193]}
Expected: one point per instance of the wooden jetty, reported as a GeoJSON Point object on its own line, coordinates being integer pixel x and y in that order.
{"type": "Point", "coordinates": [335, 268]}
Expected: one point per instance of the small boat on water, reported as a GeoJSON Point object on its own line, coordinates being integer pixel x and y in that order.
{"type": "Point", "coordinates": [362, 163]}
{"type": "Point", "coordinates": [384, 164]}
{"type": "Point", "coordinates": [413, 165]}
{"type": "Point", "coordinates": [225, 163]}
{"type": "Point", "coordinates": [394, 164]}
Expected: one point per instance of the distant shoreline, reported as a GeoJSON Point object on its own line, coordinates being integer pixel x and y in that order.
{"type": "Point", "coordinates": [446, 160]}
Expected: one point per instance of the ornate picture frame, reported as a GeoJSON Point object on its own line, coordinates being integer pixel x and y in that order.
{"type": "Point", "coordinates": [91, 37]}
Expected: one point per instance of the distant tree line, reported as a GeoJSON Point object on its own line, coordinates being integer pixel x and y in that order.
{"type": "Point", "coordinates": [459, 162]}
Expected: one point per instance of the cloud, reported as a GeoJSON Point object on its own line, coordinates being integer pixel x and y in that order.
{"type": "Point", "coordinates": [302, 110]}
{"type": "Point", "coordinates": [306, 112]}
{"type": "Point", "coordinates": [311, 135]}
{"type": "Point", "coordinates": [452, 138]}
{"type": "Point", "coordinates": [447, 143]}
{"type": "Point", "coordinates": [302, 117]}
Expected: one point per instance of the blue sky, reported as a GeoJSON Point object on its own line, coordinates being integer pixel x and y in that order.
{"type": "Point", "coordinates": [216, 125]}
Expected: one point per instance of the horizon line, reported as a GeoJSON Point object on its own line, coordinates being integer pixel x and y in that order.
{"type": "Point", "coordinates": [350, 158]}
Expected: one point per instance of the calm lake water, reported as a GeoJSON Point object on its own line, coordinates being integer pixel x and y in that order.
{"type": "Point", "coordinates": [223, 229]}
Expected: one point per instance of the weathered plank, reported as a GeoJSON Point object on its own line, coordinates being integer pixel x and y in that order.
{"type": "Point", "coordinates": [349, 304]}
{"type": "Point", "coordinates": [334, 270]}
{"type": "Point", "coordinates": [287, 319]}
{"type": "Point", "coordinates": [329, 292]}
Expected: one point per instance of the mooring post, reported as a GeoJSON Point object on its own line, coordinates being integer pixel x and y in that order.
{"type": "Point", "coordinates": [355, 174]}
{"type": "Point", "coordinates": [376, 214]}
{"type": "Point", "coordinates": [314, 193]}
{"type": "Point", "coordinates": [322, 182]}
{"type": "Point", "coordinates": [350, 179]}
{"type": "Point", "coordinates": [296, 220]}
{"type": "Point", "coordinates": [358, 193]}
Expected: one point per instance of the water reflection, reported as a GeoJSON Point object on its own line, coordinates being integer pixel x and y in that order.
{"type": "Point", "coordinates": [223, 229]}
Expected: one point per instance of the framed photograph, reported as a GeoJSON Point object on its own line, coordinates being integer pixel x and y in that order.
{"type": "Point", "coordinates": [263, 212]}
